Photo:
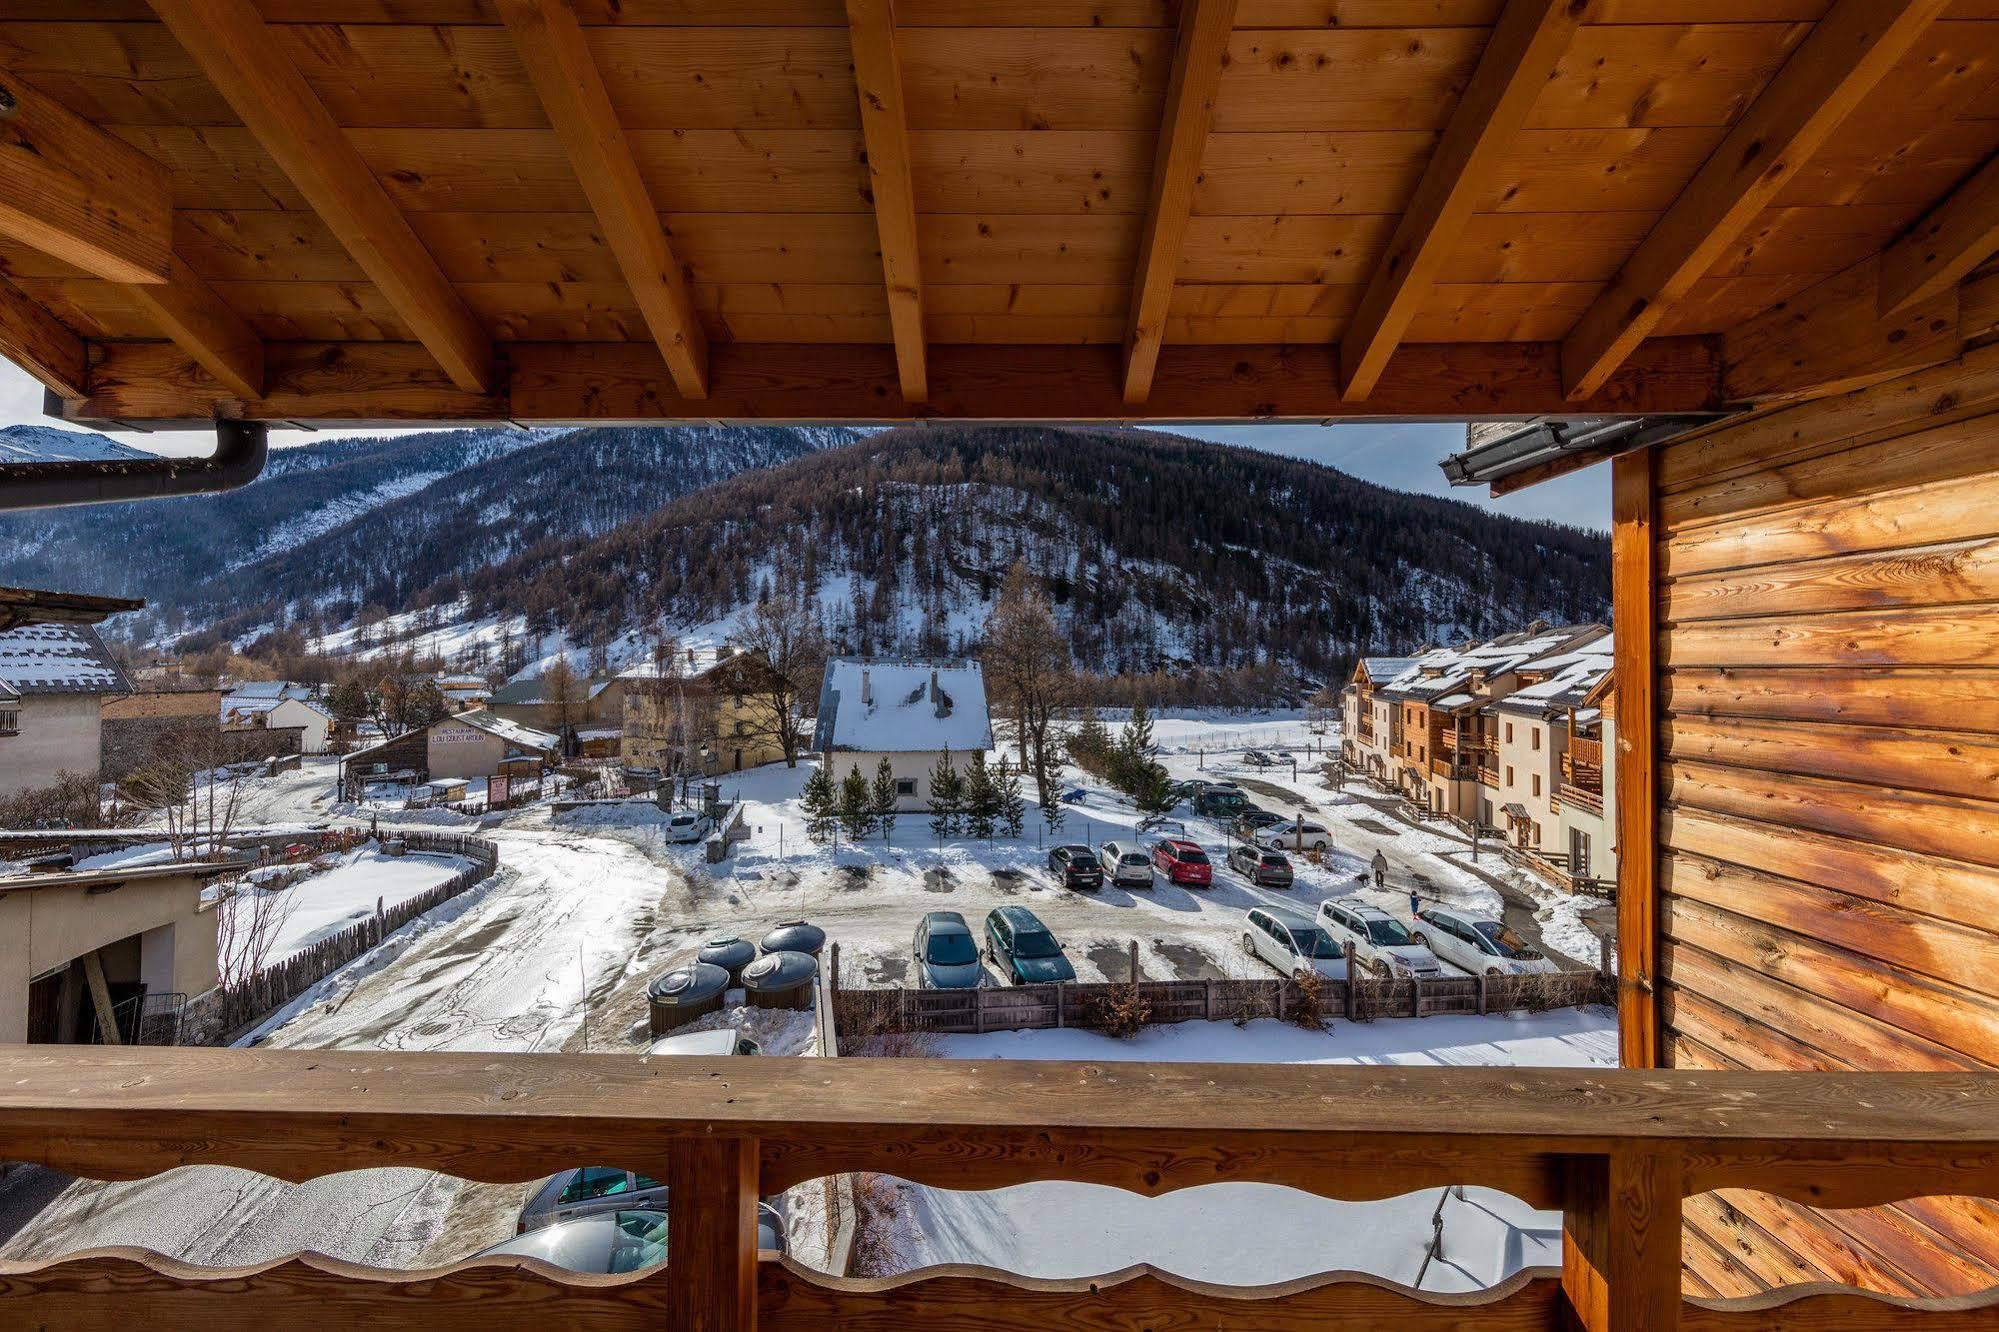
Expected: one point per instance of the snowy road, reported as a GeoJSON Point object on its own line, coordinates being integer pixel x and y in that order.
{"type": "Point", "coordinates": [503, 968]}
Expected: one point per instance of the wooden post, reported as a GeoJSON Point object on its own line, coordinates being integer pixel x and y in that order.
{"type": "Point", "coordinates": [711, 1256]}
{"type": "Point", "coordinates": [1134, 961]}
{"type": "Point", "coordinates": [1352, 996]}
{"type": "Point", "coordinates": [1634, 594]}
{"type": "Point", "coordinates": [979, 1011]}
{"type": "Point", "coordinates": [1415, 995]}
{"type": "Point", "coordinates": [1621, 1240]}
{"type": "Point", "coordinates": [1481, 994]}
{"type": "Point", "coordinates": [100, 998]}
{"type": "Point", "coordinates": [1061, 998]}
{"type": "Point", "coordinates": [833, 970]}
{"type": "Point", "coordinates": [1208, 999]}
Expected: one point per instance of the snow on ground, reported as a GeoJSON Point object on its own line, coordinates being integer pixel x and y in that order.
{"type": "Point", "coordinates": [325, 904]}
{"type": "Point", "coordinates": [1255, 1234]}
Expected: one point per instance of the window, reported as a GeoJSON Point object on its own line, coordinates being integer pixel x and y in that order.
{"type": "Point", "coordinates": [1579, 853]}
{"type": "Point", "coordinates": [10, 721]}
{"type": "Point", "coordinates": [1537, 783]}
{"type": "Point", "coordinates": [1509, 733]}
{"type": "Point", "coordinates": [1534, 736]}
{"type": "Point", "coordinates": [594, 1182]}
{"type": "Point", "coordinates": [1509, 774]}
{"type": "Point", "coordinates": [905, 786]}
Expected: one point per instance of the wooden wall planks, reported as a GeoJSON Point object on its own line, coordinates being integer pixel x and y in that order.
{"type": "Point", "coordinates": [1828, 732]}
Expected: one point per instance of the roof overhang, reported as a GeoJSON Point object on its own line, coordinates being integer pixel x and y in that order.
{"type": "Point", "coordinates": [23, 605]}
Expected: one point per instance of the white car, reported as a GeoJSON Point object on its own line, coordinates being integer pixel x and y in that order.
{"type": "Point", "coordinates": [688, 826]}
{"type": "Point", "coordinates": [1296, 835]}
{"type": "Point", "coordinates": [1380, 943]}
{"type": "Point", "coordinates": [1292, 942]}
{"type": "Point", "coordinates": [1478, 943]}
{"type": "Point", "coordinates": [1125, 864]}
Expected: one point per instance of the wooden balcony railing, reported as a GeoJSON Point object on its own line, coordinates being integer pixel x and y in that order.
{"type": "Point", "coordinates": [1567, 793]}
{"type": "Point", "coordinates": [1614, 1151]}
{"type": "Point", "coordinates": [1488, 775]}
{"type": "Point", "coordinates": [1451, 771]}
{"type": "Point", "coordinates": [1586, 751]}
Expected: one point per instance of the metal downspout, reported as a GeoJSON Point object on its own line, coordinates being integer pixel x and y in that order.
{"type": "Point", "coordinates": [241, 448]}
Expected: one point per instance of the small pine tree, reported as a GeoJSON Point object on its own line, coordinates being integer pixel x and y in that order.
{"type": "Point", "coordinates": [884, 798]}
{"type": "Point", "coordinates": [820, 805]}
{"type": "Point", "coordinates": [1132, 763]}
{"type": "Point", "coordinates": [856, 801]}
{"type": "Point", "coordinates": [981, 797]}
{"type": "Point", "coordinates": [1151, 791]}
{"type": "Point", "coordinates": [1090, 746]}
{"type": "Point", "coordinates": [1012, 809]}
{"type": "Point", "coordinates": [946, 790]}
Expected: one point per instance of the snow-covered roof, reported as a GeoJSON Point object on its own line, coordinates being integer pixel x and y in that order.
{"type": "Point", "coordinates": [58, 659]}
{"type": "Point", "coordinates": [1380, 670]}
{"type": "Point", "coordinates": [515, 734]}
{"type": "Point", "coordinates": [902, 707]}
{"type": "Point", "coordinates": [1571, 676]}
{"type": "Point", "coordinates": [241, 706]}
{"type": "Point", "coordinates": [527, 692]}
{"type": "Point", "coordinates": [272, 690]}
{"type": "Point", "coordinates": [688, 661]}
{"type": "Point", "coordinates": [1442, 672]}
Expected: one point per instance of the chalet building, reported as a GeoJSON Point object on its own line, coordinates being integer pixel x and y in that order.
{"type": "Point", "coordinates": [1372, 722]}
{"type": "Point", "coordinates": [470, 745]}
{"type": "Point", "coordinates": [587, 715]}
{"type": "Point", "coordinates": [275, 710]}
{"type": "Point", "coordinates": [54, 677]}
{"type": "Point", "coordinates": [910, 712]}
{"type": "Point", "coordinates": [1535, 755]}
{"type": "Point", "coordinates": [135, 728]}
{"type": "Point", "coordinates": [698, 713]}
{"type": "Point", "coordinates": [462, 693]}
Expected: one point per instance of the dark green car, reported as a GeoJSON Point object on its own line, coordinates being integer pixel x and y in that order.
{"type": "Point", "coordinates": [1023, 948]}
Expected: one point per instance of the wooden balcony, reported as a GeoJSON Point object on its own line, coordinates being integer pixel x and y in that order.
{"type": "Point", "coordinates": [1586, 751]}
{"type": "Point", "coordinates": [1582, 797]}
{"type": "Point", "coordinates": [1459, 771]}
{"type": "Point", "coordinates": [1615, 1152]}
{"type": "Point", "coordinates": [1488, 775]}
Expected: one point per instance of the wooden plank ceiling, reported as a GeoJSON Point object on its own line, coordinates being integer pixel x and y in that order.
{"type": "Point", "coordinates": [552, 209]}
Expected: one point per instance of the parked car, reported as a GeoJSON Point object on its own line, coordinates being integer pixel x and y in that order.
{"type": "Point", "coordinates": [1256, 758]}
{"type": "Point", "coordinates": [1292, 942]}
{"type": "Point", "coordinates": [947, 956]}
{"type": "Point", "coordinates": [721, 1041]}
{"type": "Point", "coordinates": [1478, 944]}
{"type": "Point", "coordinates": [1380, 942]}
{"type": "Point", "coordinates": [1252, 820]}
{"type": "Point", "coordinates": [1220, 800]}
{"type": "Point", "coordinates": [588, 1191]}
{"type": "Point", "coordinates": [1182, 862]}
{"type": "Point", "coordinates": [1260, 865]}
{"type": "Point", "coordinates": [624, 1239]}
{"type": "Point", "coordinates": [1125, 864]}
{"type": "Point", "coordinates": [688, 826]}
{"type": "Point", "coordinates": [1076, 867]}
{"type": "Point", "coordinates": [1296, 835]}
{"type": "Point", "coordinates": [1024, 950]}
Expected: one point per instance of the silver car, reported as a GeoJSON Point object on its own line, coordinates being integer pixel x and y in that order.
{"type": "Point", "coordinates": [947, 954]}
{"type": "Point", "coordinates": [1125, 864]}
{"type": "Point", "coordinates": [588, 1191]}
{"type": "Point", "coordinates": [1292, 942]}
{"type": "Point", "coordinates": [623, 1240]}
{"type": "Point", "coordinates": [1380, 942]}
{"type": "Point", "coordinates": [1478, 943]}
{"type": "Point", "coordinates": [688, 827]}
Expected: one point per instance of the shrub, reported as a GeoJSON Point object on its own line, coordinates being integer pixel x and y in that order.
{"type": "Point", "coordinates": [1122, 1013]}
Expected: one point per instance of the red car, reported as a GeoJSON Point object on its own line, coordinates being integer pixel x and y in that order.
{"type": "Point", "coordinates": [1183, 863]}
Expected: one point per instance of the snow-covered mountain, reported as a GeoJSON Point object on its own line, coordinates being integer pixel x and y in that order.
{"type": "Point", "coordinates": [333, 527]}
{"type": "Point", "coordinates": [1163, 556]}
{"type": "Point", "coordinates": [36, 443]}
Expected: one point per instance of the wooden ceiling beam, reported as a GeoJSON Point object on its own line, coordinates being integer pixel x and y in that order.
{"type": "Point", "coordinates": [1519, 58]}
{"type": "Point", "coordinates": [885, 129]}
{"type": "Point", "coordinates": [1943, 249]}
{"type": "Point", "coordinates": [357, 383]}
{"type": "Point", "coordinates": [1198, 57]}
{"type": "Point", "coordinates": [1844, 57]}
{"type": "Point", "coordinates": [189, 313]}
{"type": "Point", "coordinates": [79, 194]}
{"type": "Point", "coordinates": [248, 66]}
{"type": "Point", "coordinates": [571, 89]}
{"type": "Point", "coordinates": [35, 340]}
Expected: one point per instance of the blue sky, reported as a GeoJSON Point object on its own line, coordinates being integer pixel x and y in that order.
{"type": "Point", "coordinates": [1402, 457]}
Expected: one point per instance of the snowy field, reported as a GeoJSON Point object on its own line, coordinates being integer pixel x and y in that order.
{"type": "Point", "coordinates": [321, 905]}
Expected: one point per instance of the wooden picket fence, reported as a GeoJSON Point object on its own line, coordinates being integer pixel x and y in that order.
{"type": "Point", "coordinates": [1039, 1007]}
{"type": "Point", "coordinates": [243, 1002]}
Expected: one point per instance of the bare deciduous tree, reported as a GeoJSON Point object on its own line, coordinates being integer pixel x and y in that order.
{"type": "Point", "coordinates": [784, 631]}
{"type": "Point", "coordinates": [1028, 674]}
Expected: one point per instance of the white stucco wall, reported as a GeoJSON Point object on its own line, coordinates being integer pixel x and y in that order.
{"type": "Point", "coordinates": [59, 733]}
{"type": "Point", "coordinates": [913, 767]}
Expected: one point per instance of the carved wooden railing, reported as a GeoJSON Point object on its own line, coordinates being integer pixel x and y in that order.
{"type": "Point", "coordinates": [1568, 793]}
{"type": "Point", "coordinates": [1614, 1152]}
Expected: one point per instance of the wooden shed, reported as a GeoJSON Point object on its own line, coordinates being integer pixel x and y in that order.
{"type": "Point", "coordinates": [1761, 227]}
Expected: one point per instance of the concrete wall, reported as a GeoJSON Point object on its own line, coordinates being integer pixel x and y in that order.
{"type": "Point", "coordinates": [59, 733]}
{"type": "Point", "coordinates": [151, 930]}
{"type": "Point", "coordinates": [1532, 752]}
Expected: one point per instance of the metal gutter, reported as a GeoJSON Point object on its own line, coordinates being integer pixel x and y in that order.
{"type": "Point", "coordinates": [241, 448]}
{"type": "Point", "coordinates": [1538, 445]}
